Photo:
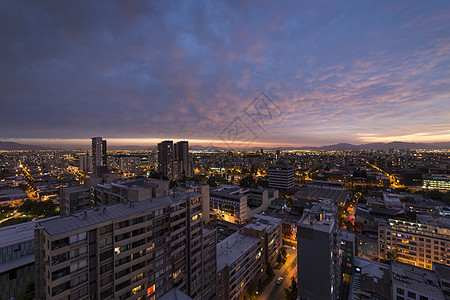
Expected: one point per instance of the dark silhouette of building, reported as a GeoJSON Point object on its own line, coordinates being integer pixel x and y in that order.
{"type": "Point", "coordinates": [98, 155]}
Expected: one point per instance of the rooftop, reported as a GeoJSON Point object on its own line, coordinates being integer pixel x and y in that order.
{"type": "Point", "coordinates": [435, 220]}
{"type": "Point", "coordinates": [15, 263]}
{"type": "Point", "coordinates": [260, 222]}
{"type": "Point", "coordinates": [371, 278]}
{"type": "Point", "coordinates": [109, 212]}
{"type": "Point", "coordinates": [76, 188]}
{"type": "Point", "coordinates": [231, 248]}
{"type": "Point", "coordinates": [19, 233]}
{"type": "Point", "coordinates": [416, 278]}
{"type": "Point", "coordinates": [320, 217]}
{"type": "Point", "coordinates": [175, 294]}
{"type": "Point", "coordinates": [316, 193]}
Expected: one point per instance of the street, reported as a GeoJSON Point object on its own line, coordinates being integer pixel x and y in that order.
{"type": "Point", "coordinates": [276, 291]}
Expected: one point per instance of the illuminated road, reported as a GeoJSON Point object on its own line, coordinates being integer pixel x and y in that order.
{"type": "Point", "coordinates": [31, 193]}
{"type": "Point", "coordinates": [276, 291]}
{"type": "Point", "coordinates": [394, 182]}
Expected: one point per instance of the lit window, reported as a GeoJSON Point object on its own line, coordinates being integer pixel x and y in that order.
{"type": "Point", "coordinates": [150, 290]}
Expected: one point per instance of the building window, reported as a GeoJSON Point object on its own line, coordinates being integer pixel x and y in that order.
{"type": "Point", "coordinates": [400, 291]}
{"type": "Point", "coordinates": [411, 295]}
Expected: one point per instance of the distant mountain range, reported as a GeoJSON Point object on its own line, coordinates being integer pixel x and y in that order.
{"type": "Point", "coordinates": [336, 147]}
{"type": "Point", "coordinates": [375, 146]}
{"type": "Point", "coordinates": [17, 146]}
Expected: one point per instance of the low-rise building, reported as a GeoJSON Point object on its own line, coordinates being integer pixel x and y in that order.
{"type": "Point", "coordinates": [236, 205]}
{"type": "Point", "coordinates": [370, 280]}
{"type": "Point", "coordinates": [418, 244]}
{"type": "Point", "coordinates": [410, 282]}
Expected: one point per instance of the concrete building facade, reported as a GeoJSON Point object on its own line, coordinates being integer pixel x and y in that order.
{"type": "Point", "coordinates": [318, 256]}
{"type": "Point", "coordinates": [236, 205]}
{"type": "Point", "coordinates": [281, 176]}
{"type": "Point", "coordinates": [418, 244]}
{"type": "Point", "coordinates": [133, 250]}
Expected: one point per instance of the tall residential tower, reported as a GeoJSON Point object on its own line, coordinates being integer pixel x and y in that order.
{"type": "Point", "coordinates": [98, 155]}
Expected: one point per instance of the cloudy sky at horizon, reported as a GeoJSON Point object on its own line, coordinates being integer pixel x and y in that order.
{"type": "Point", "coordinates": [135, 71]}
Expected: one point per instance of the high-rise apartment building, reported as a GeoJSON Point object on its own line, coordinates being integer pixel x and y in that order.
{"type": "Point", "coordinates": [132, 250]}
{"type": "Point", "coordinates": [318, 256]}
{"type": "Point", "coordinates": [98, 155]}
{"type": "Point", "coordinates": [181, 155]}
{"type": "Point", "coordinates": [85, 164]}
{"type": "Point", "coordinates": [281, 176]}
{"type": "Point", "coordinates": [165, 158]}
{"type": "Point", "coordinates": [174, 160]}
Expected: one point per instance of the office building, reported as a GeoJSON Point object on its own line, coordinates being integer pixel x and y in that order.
{"type": "Point", "coordinates": [130, 165]}
{"type": "Point", "coordinates": [236, 205]}
{"type": "Point", "coordinates": [318, 256]}
{"type": "Point", "coordinates": [437, 182]}
{"type": "Point", "coordinates": [165, 158]}
{"type": "Point", "coordinates": [281, 176]}
{"type": "Point", "coordinates": [98, 155]}
{"type": "Point", "coordinates": [132, 250]}
{"type": "Point", "coordinates": [418, 244]}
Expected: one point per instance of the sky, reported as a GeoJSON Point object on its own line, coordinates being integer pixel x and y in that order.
{"type": "Point", "coordinates": [225, 72]}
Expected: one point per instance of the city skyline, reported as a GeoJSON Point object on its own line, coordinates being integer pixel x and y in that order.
{"type": "Point", "coordinates": [338, 72]}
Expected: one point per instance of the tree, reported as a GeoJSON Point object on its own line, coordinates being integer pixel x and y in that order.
{"type": "Point", "coordinates": [279, 258]}
{"type": "Point", "coordinates": [247, 182]}
{"type": "Point", "coordinates": [291, 292]}
{"type": "Point", "coordinates": [269, 271]}
{"type": "Point", "coordinates": [392, 255]}
{"type": "Point", "coordinates": [284, 253]}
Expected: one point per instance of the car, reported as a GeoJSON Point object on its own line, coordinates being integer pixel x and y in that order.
{"type": "Point", "coordinates": [279, 280]}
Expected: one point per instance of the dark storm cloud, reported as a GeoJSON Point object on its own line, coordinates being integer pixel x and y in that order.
{"type": "Point", "coordinates": [348, 69]}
